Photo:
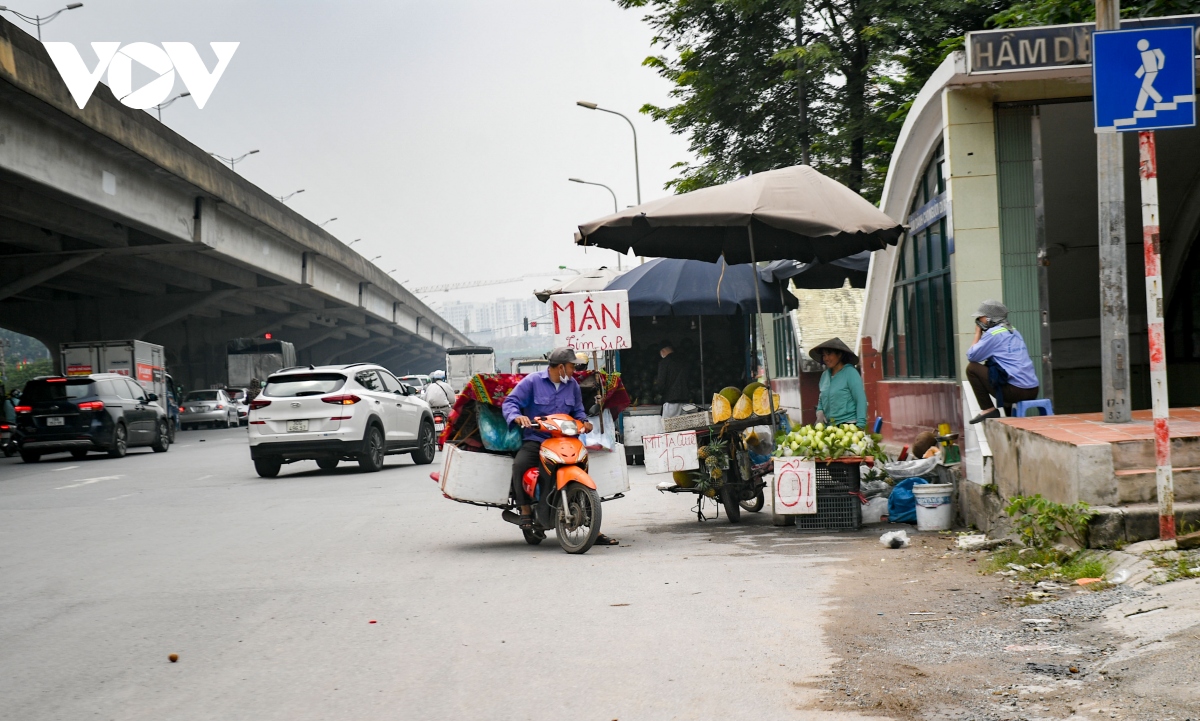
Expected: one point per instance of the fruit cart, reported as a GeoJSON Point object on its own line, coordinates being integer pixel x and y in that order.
{"type": "Point", "coordinates": [731, 469]}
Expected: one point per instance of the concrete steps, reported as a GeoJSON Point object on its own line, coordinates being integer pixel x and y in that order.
{"type": "Point", "coordinates": [1133, 466]}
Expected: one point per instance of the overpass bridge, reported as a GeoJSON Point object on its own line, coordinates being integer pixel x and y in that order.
{"type": "Point", "coordinates": [113, 226]}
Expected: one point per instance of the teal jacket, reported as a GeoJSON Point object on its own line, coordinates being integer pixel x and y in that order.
{"type": "Point", "coordinates": [843, 399]}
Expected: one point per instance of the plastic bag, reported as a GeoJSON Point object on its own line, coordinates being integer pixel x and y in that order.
{"type": "Point", "coordinates": [597, 440]}
{"type": "Point", "coordinates": [871, 489]}
{"type": "Point", "coordinates": [497, 435]}
{"type": "Point", "coordinates": [894, 539]}
{"type": "Point", "coordinates": [874, 510]}
{"type": "Point", "coordinates": [902, 504]}
{"type": "Point", "coordinates": [911, 469]}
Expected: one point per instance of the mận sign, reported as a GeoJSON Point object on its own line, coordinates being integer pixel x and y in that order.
{"type": "Point", "coordinates": [591, 321]}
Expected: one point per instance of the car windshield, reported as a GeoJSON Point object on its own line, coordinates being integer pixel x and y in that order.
{"type": "Point", "coordinates": [56, 389]}
{"type": "Point", "coordinates": [303, 384]}
{"type": "Point", "coordinates": [201, 396]}
{"type": "Point", "coordinates": [414, 381]}
{"type": "Point", "coordinates": [236, 394]}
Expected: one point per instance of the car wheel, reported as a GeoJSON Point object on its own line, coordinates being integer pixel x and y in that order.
{"type": "Point", "coordinates": [427, 445]}
{"type": "Point", "coordinates": [267, 467]}
{"type": "Point", "coordinates": [10, 450]}
{"type": "Point", "coordinates": [30, 456]}
{"type": "Point", "coordinates": [79, 453]}
{"type": "Point", "coordinates": [327, 464]}
{"type": "Point", "coordinates": [371, 459]}
{"type": "Point", "coordinates": [162, 444]}
{"type": "Point", "coordinates": [120, 442]}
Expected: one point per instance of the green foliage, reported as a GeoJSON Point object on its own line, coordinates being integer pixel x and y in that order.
{"type": "Point", "coordinates": [1062, 12]}
{"type": "Point", "coordinates": [18, 377]}
{"type": "Point", "coordinates": [1041, 523]}
{"type": "Point", "coordinates": [1047, 564]}
{"type": "Point", "coordinates": [714, 462]}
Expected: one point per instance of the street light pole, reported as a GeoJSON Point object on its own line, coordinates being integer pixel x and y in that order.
{"type": "Point", "coordinates": [322, 225]}
{"type": "Point", "coordinates": [616, 209]}
{"type": "Point", "coordinates": [38, 20]}
{"type": "Point", "coordinates": [167, 104]}
{"type": "Point", "coordinates": [233, 161]}
{"type": "Point", "coordinates": [637, 173]}
{"type": "Point", "coordinates": [286, 198]}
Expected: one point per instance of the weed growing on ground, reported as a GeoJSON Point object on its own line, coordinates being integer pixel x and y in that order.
{"type": "Point", "coordinates": [1040, 522]}
{"type": "Point", "coordinates": [1177, 566]}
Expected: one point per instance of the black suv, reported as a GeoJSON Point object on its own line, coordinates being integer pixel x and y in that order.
{"type": "Point", "coordinates": [101, 412]}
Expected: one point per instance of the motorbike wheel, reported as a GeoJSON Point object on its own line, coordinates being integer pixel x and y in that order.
{"type": "Point", "coordinates": [533, 538]}
{"type": "Point", "coordinates": [756, 504]}
{"type": "Point", "coordinates": [733, 511]}
{"type": "Point", "coordinates": [10, 450]}
{"type": "Point", "coordinates": [577, 522]}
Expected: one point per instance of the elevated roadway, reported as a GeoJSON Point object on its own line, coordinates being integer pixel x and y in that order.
{"type": "Point", "coordinates": [113, 226]}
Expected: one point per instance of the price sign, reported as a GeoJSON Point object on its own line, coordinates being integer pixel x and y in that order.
{"type": "Point", "coordinates": [669, 452]}
{"type": "Point", "coordinates": [591, 321]}
{"type": "Point", "coordinates": [795, 486]}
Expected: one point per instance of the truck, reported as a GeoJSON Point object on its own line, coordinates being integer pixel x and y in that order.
{"type": "Point", "coordinates": [465, 361]}
{"type": "Point", "coordinates": [250, 358]}
{"type": "Point", "coordinates": [524, 366]}
{"type": "Point", "coordinates": [137, 359]}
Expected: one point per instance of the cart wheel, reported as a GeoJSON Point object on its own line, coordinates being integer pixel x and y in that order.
{"type": "Point", "coordinates": [756, 504]}
{"type": "Point", "coordinates": [732, 510]}
{"type": "Point", "coordinates": [533, 538]}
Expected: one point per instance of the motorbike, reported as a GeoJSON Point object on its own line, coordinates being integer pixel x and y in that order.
{"type": "Point", "coordinates": [7, 443]}
{"type": "Point", "coordinates": [564, 496]}
{"type": "Point", "coordinates": [441, 416]}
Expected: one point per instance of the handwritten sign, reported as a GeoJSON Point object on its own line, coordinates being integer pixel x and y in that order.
{"type": "Point", "coordinates": [795, 486]}
{"type": "Point", "coordinates": [670, 452]}
{"type": "Point", "coordinates": [591, 321]}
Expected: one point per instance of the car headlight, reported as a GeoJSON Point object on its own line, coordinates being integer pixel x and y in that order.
{"type": "Point", "coordinates": [551, 456]}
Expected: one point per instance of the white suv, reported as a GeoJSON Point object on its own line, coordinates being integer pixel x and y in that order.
{"type": "Point", "coordinates": [357, 412]}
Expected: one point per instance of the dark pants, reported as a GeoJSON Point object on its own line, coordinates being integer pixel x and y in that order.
{"type": "Point", "coordinates": [977, 374]}
{"type": "Point", "coordinates": [526, 458]}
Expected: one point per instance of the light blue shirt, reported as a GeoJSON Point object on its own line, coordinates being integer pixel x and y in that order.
{"type": "Point", "coordinates": [1007, 348]}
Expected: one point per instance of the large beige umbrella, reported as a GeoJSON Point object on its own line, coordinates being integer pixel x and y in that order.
{"type": "Point", "coordinates": [787, 214]}
{"type": "Point", "coordinates": [586, 282]}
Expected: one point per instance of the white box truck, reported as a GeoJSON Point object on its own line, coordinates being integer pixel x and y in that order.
{"type": "Point", "coordinates": [465, 361]}
{"type": "Point", "coordinates": [139, 360]}
{"type": "Point", "coordinates": [250, 358]}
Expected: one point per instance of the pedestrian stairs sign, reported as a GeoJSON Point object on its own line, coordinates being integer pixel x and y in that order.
{"type": "Point", "coordinates": [1144, 79]}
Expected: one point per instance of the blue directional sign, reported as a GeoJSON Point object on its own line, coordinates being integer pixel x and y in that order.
{"type": "Point", "coordinates": [1144, 79]}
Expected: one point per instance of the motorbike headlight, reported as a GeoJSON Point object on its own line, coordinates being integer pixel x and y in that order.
{"type": "Point", "coordinates": [568, 428]}
{"type": "Point", "coordinates": [551, 456]}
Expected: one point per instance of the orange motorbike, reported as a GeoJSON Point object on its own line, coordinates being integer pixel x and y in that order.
{"type": "Point", "coordinates": [564, 495]}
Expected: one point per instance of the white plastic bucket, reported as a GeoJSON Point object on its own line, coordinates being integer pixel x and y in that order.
{"type": "Point", "coordinates": [934, 512]}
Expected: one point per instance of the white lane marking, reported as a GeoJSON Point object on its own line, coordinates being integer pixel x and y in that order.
{"type": "Point", "coordinates": [66, 468]}
{"type": "Point", "coordinates": [86, 481]}
{"type": "Point", "coordinates": [116, 498]}
{"type": "Point", "coordinates": [201, 478]}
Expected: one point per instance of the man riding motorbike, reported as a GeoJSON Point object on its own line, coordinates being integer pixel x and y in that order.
{"type": "Point", "coordinates": [438, 394]}
{"type": "Point", "coordinates": [549, 391]}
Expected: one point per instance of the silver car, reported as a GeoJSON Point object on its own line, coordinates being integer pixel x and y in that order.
{"type": "Point", "coordinates": [214, 408]}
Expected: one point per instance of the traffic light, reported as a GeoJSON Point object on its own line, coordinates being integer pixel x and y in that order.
{"type": "Point", "coordinates": [526, 324]}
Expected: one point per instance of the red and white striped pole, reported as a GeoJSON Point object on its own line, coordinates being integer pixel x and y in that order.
{"type": "Point", "coordinates": [1148, 169]}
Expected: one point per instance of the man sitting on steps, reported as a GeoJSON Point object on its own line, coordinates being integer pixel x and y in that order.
{"type": "Point", "coordinates": [998, 363]}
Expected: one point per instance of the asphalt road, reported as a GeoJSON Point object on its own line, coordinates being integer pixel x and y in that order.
{"type": "Point", "coordinates": [266, 590]}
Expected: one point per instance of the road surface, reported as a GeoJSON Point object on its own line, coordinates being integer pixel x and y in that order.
{"type": "Point", "coordinates": [266, 590]}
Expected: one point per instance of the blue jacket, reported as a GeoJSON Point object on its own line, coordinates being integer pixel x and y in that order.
{"type": "Point", "coordinates": [536, 396]}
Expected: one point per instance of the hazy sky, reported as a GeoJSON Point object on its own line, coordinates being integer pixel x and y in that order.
{"type": "Point", "coordinates": [442, 132]}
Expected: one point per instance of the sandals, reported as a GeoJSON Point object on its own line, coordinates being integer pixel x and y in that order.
{"type": "Point", "coordinates": [526, 523]}
{"type": "Point", "coordinates": [603, 540]}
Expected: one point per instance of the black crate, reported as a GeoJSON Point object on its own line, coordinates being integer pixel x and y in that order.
{"type": "Point", "coordinates": [838, 477]}
{"type": "Point", "coordinates": [835, 512]}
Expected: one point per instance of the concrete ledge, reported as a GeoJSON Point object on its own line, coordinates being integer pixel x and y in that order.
{"type": "Point", "coordinates": [1134, 522]}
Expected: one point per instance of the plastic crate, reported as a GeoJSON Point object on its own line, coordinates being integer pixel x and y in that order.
{"type": "Point", "coordinates": [838, 477]}
{"type": "Point", "coordinates": [687, 422]}
{"type": "Point", "coordinates": [835, 512]}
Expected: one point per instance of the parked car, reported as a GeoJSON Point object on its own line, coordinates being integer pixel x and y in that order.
{"type": "Point", "coordinates": [358, 412]}
{"type": "Point", "coordinates": [213, 408]}
{"type": "Point", "coordinates": [241, 398]}
{"type": "Point", "coordinates": [100, 412]}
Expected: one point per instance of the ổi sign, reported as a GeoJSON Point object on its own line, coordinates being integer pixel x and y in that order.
{"type": "Point", "coordinates": [591, 321]}
{"type": "Point", "coordinates": [794, 487]}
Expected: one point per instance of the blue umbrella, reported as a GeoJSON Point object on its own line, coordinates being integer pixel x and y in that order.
{"type": "Point", "coordinates": [671, 286]}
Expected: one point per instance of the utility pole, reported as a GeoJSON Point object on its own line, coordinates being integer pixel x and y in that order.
{"type": "Point", "coordinates": [1114, 291]}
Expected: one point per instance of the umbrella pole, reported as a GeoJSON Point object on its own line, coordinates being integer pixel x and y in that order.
{"type": "Point", "coordinates": [700, 327]}
{"type": "Point", "coordinates": [761, 338]}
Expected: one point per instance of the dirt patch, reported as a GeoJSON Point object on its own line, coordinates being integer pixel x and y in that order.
{"type": "Point", "coordinates": [924, 635]}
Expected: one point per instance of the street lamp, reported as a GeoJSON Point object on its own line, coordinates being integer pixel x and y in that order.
{"type": "Point", "coordinates": [576, 272]}
{"type": "Point", "coordinates": [38, 19]}
{"type": "Point", "coordinates": [234, 161]}
{"type": "Point", "coordinates": [372, 260]}
{"type": "Point", "coordinates": [614, 197]}
{"type": "Point", "coordinates": [286, 198]}
{"type": "Point", "coordinates": [636, 172]}
{"type": "Point", "coordinates": [167, 104]}
{"type": "Point", "coordinates": [353, 242]}
{"type": "Point", "coordinates": [322, 225]}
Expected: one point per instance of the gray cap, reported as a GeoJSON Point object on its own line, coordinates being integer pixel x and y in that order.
{"type": "Point", "coordinates": [559, 356]}
{"type": "Point", "coordinates": [992, 309]}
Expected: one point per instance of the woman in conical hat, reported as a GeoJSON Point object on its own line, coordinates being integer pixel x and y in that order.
{"type": "Point", "coordinates": [843, 399]}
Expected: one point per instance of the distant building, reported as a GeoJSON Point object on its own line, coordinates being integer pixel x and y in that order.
{"type": "Point", "coordinates": [501, 318]}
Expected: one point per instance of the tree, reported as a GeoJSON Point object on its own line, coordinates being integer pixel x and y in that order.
{"type": "Point", "coordinates": [1062, 12]}
{"type": "Point", "coordinates": [762, 84]}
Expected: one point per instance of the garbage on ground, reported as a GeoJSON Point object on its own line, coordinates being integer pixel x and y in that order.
{"type": "Point", "coordinates": [911, 469]}
{"type": "Point", "coordinates": [902, 504]}
{"type": "Point", "coordinates": [980, 542]}
{"type": "Point", "coordinates": [1018, 568]}
{"type": "Point", "coordinates": [895, 539]}
{"type": "Point", "coordinates": [1120, 576]}
{"type": "Point", "coordinates": [1087, 581]}
{"type": "Point", "coordinates": [875, 509]}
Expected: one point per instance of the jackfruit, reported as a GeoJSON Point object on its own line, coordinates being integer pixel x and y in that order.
{"type": "Point", "coordinates": [721, 409]}
{"type": "Point", "coordinates": [743, 409]}
{"type": "Point", "coordinates": [683, 479]}
{"type": "Point", "coordinates": [750, 389]}
{"type": "Point", "coordinates": [760, 402]}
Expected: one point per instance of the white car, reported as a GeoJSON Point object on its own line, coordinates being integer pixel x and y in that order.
{"type": "Point", "coordinates": [357, 412]}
